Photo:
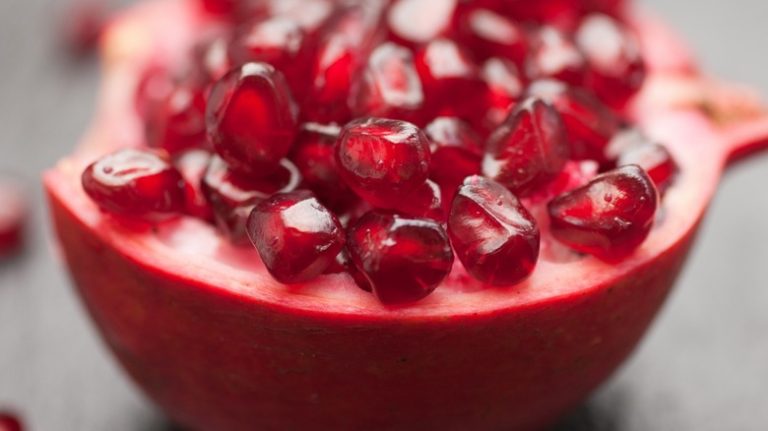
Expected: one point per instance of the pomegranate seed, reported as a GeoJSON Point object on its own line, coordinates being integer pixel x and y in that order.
{"type": "Point", "coordinates": [456, 152]}
{"type": "Point", "coordinates": [573, 175]}
{"type": "Point", "coordinates": [178, 123]}
{"type": "Point", "coordinates": [451, 81]}
{"type": "Point", "coordinates": [505, 87]}
{"type": "Point", "coordinates": [343, 263]}
{"type": "Point", "coordinates": [309, 14]}
{"type": "Point", "coordinates": [211, 58]}
{"type": "Point", "coordinates": [155, 86]}
{"type": "Point", "coordinates": [84, 22]}
{"type": "Point", "coordinates": [404, 259]}
{"type": "Point", "coordinates": [313, 155]}
{"type": "Point", "coordinates": [13, 215]}
{"type": "Point", "coordinates": [589, 124]}
{"type": "Point", "coordinates": [390, 86]}
{"type": "Point", "coordinates": [554, 56]}
{"type": "Point", "coordinates": [493, 234]}
{"type": "Point", "coordinates": [297, 237]}
{"type": "Point", "coordinates": [490, 34]}
{"type": "Point", "coordinates": [561, 14]}
{"type": "Point", "coordinates": [415, 22]}
{"type": "Point", "coordinates": [341, 54]}
{"type": "Point", "coordinates": [9, 422]}
{"type": "Point", "coordinates": [232, 196]}
{"type": "Point", "coordinates": [277, 41]}
{"type": "Point", "coordinates": [220, 7]}
{"type": "Point", "coordinates": [251, 119]}
{"type": "Point", "coordinates": [656, 160]}
{"type": "Point", "coordinates": [192, 165]}
{"type": "Point", "coordinates": [135, 183]}
{"type": "Point", "coordinates": [529, 149]}
{"type": "Point", "coordinates": [382, 160]}
{"type": "Point", "coordinates": [616, 69]}
{"type": "Point", "coordinates": [609, 217]}
{"type": "Point", "coordinates": [424, 202]}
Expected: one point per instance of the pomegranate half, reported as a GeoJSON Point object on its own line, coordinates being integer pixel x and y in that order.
{"type": "Point", "coordinates": [218, 344]}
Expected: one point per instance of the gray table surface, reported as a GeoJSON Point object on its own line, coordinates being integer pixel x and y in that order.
{"type": "Point", "coordinates": [703, 366]}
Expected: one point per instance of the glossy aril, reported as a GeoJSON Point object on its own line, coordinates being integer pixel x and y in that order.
{"type": "Point", "coordinates": [608, 217]}
{"type": "Point", "coordinates": [529, 149]}
{"type": "Point", "coordinates": [505, 88]}
{"type": "Point", "coordinates": [553, 55]}
{"type": "Point", "coordinates": [251, 119]}
{"type": "Point", "coordinates": [589, 123]}
{"type": "Point", "coordinates": [313, 154]}
{"type": "Point", "coordinates": [178, 122]}
{"type": "Point", "coordinates": [382, 160]}
{"type": "Point", "coordinates": [656, 160]}
{"type": "Point", "coordinates": [341, 53]}
{"type": "Point", "coordinates": [192, 165]}
{"type": "Point", "coordinates": [404, 259]}
{"type": "Point", "coordinates": [232, 196]}
{"type": "Point", "coordinates": [14, 214]}
{"type": "Point", "coordinates": [456, 151]}
{"type": "Point", "coordinates": [311, 15]}
{"type": "Point", "coordinates": [416, 22]}
{"type": "Point", "coordinates": [490, 34]}
{"type": "Point", "coordinates": [9, 422]}
{"type": "Point", "coordinates": [616, 70]}
{"type": "Point", "coordinates": [296, 236]}
{"type": "Point", "coordinates": [451, 81]}
{"type": "Point", "coordinates": [277, 41]}
{"type": "Point", "coordinates": [561, 14]}
{"type": "Point", "coordinates": [135, 183]}
{"type": "Point", "coordinates": [494, 236]}
{"type": "Point", "coordinates": [389, 87]}
{"type": "Point", "coordinates": [211, 59]}
{"type": "Point", "coordinates": [424, 202]}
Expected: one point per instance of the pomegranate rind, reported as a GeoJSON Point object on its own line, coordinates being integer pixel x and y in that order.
{"type": "Point", "coordinates": [218, 344]}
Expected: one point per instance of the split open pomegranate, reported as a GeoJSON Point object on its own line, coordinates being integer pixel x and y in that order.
{"type": "Point", "coordinates": [389, 285]}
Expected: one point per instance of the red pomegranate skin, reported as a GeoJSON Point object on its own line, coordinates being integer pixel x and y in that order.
{"type": "Point", "coordinates": [553, 354]}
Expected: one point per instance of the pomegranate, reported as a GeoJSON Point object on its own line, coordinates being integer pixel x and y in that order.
{"type": "Point", "coordinates": [13, 218]}
{"type": "Point", "coordinates": [382, 312]}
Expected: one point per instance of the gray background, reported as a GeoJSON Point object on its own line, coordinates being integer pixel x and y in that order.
{"type": "Point", "coordinates": [704, 365]}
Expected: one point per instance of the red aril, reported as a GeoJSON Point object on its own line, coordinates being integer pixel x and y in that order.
{"type": "Point", "coordinates": [313, 154]}
{"type": "Point", "coordinates": [589, 124]}
{"type": "Point", "coordinates": [416, 22]}
{"type": "Point", "coordinates": [490, 34]}
{"type": "Point", "coordinates": [451, 80]}
{"type": "Point", "coordinates": [553, 55]}
{"type": "Point", "coordinates": [493, 234]}
{"type": "Point", "coordinates": [14, 213]}
{"type": "Point", "coordinates": [404, 259]}
{"type": "Point", "coordinates": [277, 41]}
{"type": "Point", "coordinates": [210, 58]}
{"type": "Point", "coordinates": [138, 184]}
{"type": "Point", "coordinates": [615, 67]}
{"type": "Point", "coordinates": [251, 119]}
{"type": "Point", "coordinates": [341, 53]}
{"type": "Point", "coordinates": [296, 236]}
{"type": "Point", "coordinates": [456, 152]}
{"type": "Point", "coordinates": [424, 202]}
{"type": "Point", "coordinates": [192, 165]}
{"type": "Point", "coordinates": [311, 15]}
{"type": "Point", "coordinates": [390, 86]}
{"type": "Point", "coordinates": [382, 160]}
{"type": "Point", "coordinates": [609, 217]}
{"type": "Point", "coordinates": [657, 162]}
{"type": "Point", "coordinates": [529, 149]}
{"type": "Point", "coordinates": [505, 88]}
{"type": "Point", "coordinates": [178, 122]}
{"type": "Point", "coordinates": [9, 422]}
{"type": "Point", "coordinates": [232, 196]}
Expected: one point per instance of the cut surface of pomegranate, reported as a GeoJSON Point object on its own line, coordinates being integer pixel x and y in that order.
{"type": "Point", "coordinates": [391, 319]}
